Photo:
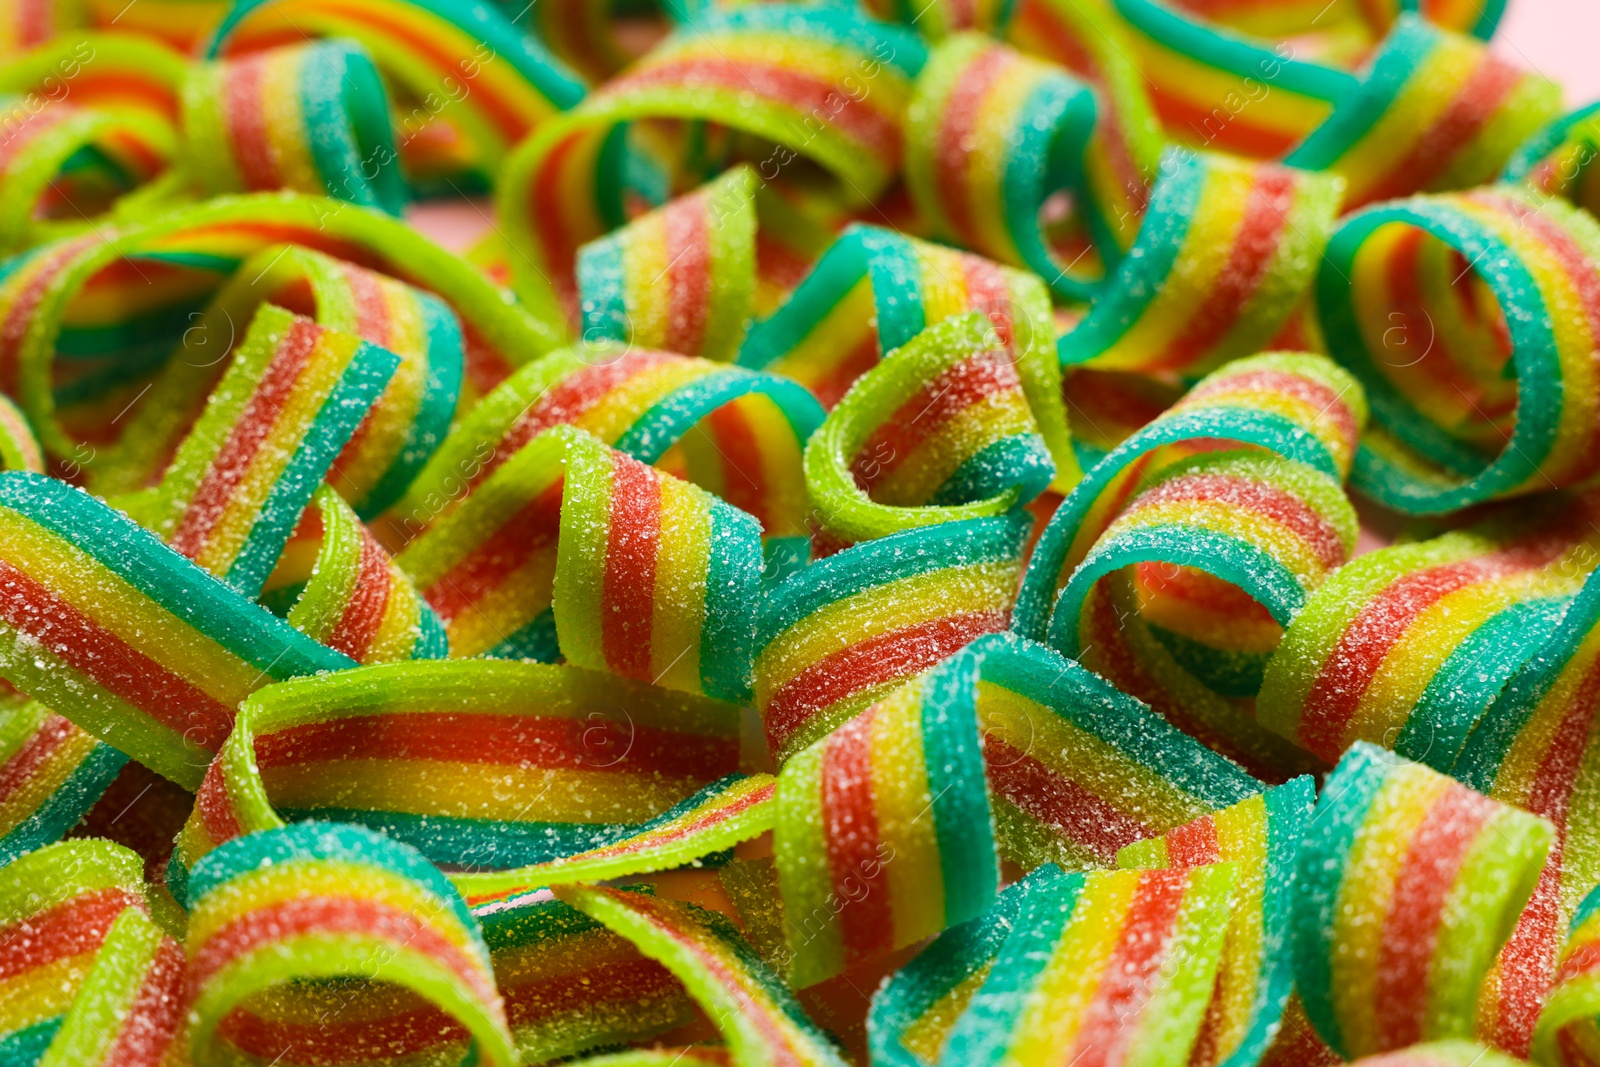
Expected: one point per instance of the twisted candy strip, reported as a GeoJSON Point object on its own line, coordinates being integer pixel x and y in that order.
{"type": "Point", "coordinates": [573, 546]}
{"type": "Point", "coordinates": [1225, 254]}
{"type": "Point", "coordinates": [1558, 160]}
{"type": "Point", "coordinates": [752, 1008]}
{"type": "Point", "coordinates": [91, 979]}
{"type": "Point", "coordinates": [1408, 646]}
{"type": "Point", "coordinates": [1461, 423]}
{"type": "Point", "coordinates": [310, 117]}
{"type": "Point", "coordinates": [51, 773]}
{"type": "Point", "coordinates": [913, 1012]}
{"type": "Point", "coordinates": [291, 400]}
{"type": "Point", "coordinates": [734, 432]}
{"type": "Point", "coordinates": [680, 278]}
{"type": "Point", "coordinates": [837, 636]}
{"type": "Point", "coordinates": [463, 64]}
{"type": "Point", "coordinates": [1411, 883]}
{"type": "Point", "coordinates": [1118, 962]}
{"type": "Point", "coordinates": [1534, 749]}
{"type": "Point", "coordinates": [114, 72]}
{"type": "Point", "coordinates": [398, 433]}
{"type": "Point", "coordinates": [942, 430]}
{"type": "Point", "coordinates": [351, 596]}
{"type": "Point", "coordinates": [884, 832]}
{"type": "Point", "coordinates": [571, 985]}
{"type": "Point", "coordinates": [1566, 1037]}
{"type": "Point", "coordinates": [991, 134]}
{"type": "Point", "coordinates": [125, 637]}
{"type": "Point", "coordinates": [1261, 838]}
{"type": "Point", "coordinates": [167, 266]}
{"type": "Point", "coordinates": [445, 757]}
{"type": "Point", "coordinates": [818, 82]}
{"type": "Point", "coordinates": [319, 901]}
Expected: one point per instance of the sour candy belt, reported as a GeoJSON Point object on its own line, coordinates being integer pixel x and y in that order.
{"type": "Point", "coordinates": [51, 773]}
{"type": "Point", "coordinates": [1566, 1034]}
{"type": "Point", "coordinates": [890, 828]}
{"type": "Point", "coordinates": [1410, 883]}
{"type": "Point", "coordinates": [322, 901]}
{"type": "Point", "coordinates": [444, 756]}
{"type": "Point", "coordinates": [1469, 318]}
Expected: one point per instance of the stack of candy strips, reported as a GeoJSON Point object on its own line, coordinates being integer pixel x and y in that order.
{"type": "Point", "coordinates": [921, 535]}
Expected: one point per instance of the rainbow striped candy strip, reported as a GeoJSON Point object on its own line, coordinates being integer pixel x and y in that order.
{"type": "Point", "coordinates": [680, 278]}
{"type": "Point", "coordinates": [132, 642]}
{"type": "Point", "coordinates": [1118, 962]}
{"type": "Point", "coordinates": [466, 65]}
{"type": "Point", "coordinates": [398, 433]}
{"type": "Point", "coordinates": [585, 37]}
{"type": "Point", "coordinates": [914, 1011]}
{"type": "Point", "coordinates": [288, 404]}
{"type": "Point", "coordinates": [874, 290]}
{"type": "Point", "coordinates": [819, 82]}
{"type": "Point", "coordinates": [1224, 256]}
{"type": "Point", "coordinates": [340, 588]}
{"type": "Point", "coordinates": [1489, 411]}
{"type": "Point", "coordinates": [1409, 645]}
{"type": "Point", "coordinates": [167, 267]}
{"type": "Point", "coordinates": [1434, 110]}
{"type": "Point", "coordinates": [128, 1010]}
{"type": "Point", "coordinates": [575, 547]}
{"type": "Point", "coordinates": [481, 764]}
{"type": "Point", "coordinates": [19, 449]}
{"type": "Point", "coordinates": [1558, 160]}
{"type": "Point", "coordinates": [942, 18]}
{"type": "Point", "coordinates": [724, 813]}
{"type": "Point", "coordinates": [117, 72]}
{"type": "Point", "coordinates": [942, 430]}
{"type": "Point", "coordinates": [60, 901]}
{"type": "Point", "coordinates": [1090, 40]}
{"type": "Point", "coordinates": [840, 634]}
{"type": "Point", "coordinates": [33, 22]}
{"type": "Point", "coordinates": [56, 156]}
{"type": "Point", "coordinates": [1301, 407]}
{"type": "Point", "coordinates": [734, 432]}
{"type": "Point", "coordinates": [1261, 838]}
{"type": "Point", "coordinates": [750, 1005]}
{"type": "Point", "coordinates": [51, 773]}
{"type": "Point", "coordinates": [885, 833]}
{"type": "Point", "coordinates": [991, 135]}
{"type": "Point", "coordinates": [1535, 748]}
{"type": "Point", "coordinates": [321, 901]}
{"type": "Point", "coordinates": [1442, 1054]}
{"type": "Point", "coordinates": [310, 117]}
{"type": "Point", "coordinates": [1566, 1033]}
{"type": "Point", "coordinates": [571, 985]}
{"type": "Point", "coordinates": [1409, 884]}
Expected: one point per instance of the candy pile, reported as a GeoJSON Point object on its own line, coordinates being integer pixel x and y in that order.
{"type": "Point", "coordinates": [1007, 532]}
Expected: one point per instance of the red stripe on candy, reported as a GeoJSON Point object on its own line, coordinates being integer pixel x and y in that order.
{"type": "Point", "coordinates": [850, 828]}
{"type": "Point", "coordinates": [1060, 803]}
{"type": "Point", "coordinates": [627, 598]}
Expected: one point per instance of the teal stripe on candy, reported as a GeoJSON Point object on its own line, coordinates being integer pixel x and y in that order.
{"type": "Point", "coordinates": [840, 267]}
{"type": "Point", "coordinates": [733, 585]}
{"type": "Point", "coordinates": [358, 388]}
{"type": "Point", "coordinates": [536, 640]}
{"type": "Point", "coordinates": [433, 641]}
{"type": "Point", "coordinates": [1095, 706]}
{"type": "Point", "coordinates": [325, 841]}
{"type": "Point", "coordinates": [1050, 136]}
{"type": "Point", "coordinates": [602, 278]}
{"type": "Point", "coordinates": [841, 25]}
{"type": "Point", "coordinates": [1465, 685]}
{"type": "Point", "coordinates": [24, 1048]}
{"type": "Point", "coordinates": [490, 844]}
{"type": "Point", "coordinates": [195, 597]}
{"type": "Point", "coordinates": [1233, 560]}
{"type": "Point", "coordinates": [952, 753]}
{"type": "Point", "coordinates": [1407, 45]}
{"type": "Point", "coordinates": [665, 422]}
{"type": "Point", "coordinates": [1533, 151]}
{"type": "Point", "coordinates": [897, 288]}
{"type": "Point", "coordinates": [1020, 461]}
{"type": "Point", "coordinates": [1142, 273]}
{"type": "Point", "coordinates": [65, 805]}
{"type": "Point", "coordinates": [441, 391]}
{"type": "Point", "coordinates": [982, 1035]}
{"type": "Point", "coordinates": [886, 559]}
{"type": "Point", "coordinates": [1247, 426]}
{"type": "Point", "coordinates": [1342, 809]}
